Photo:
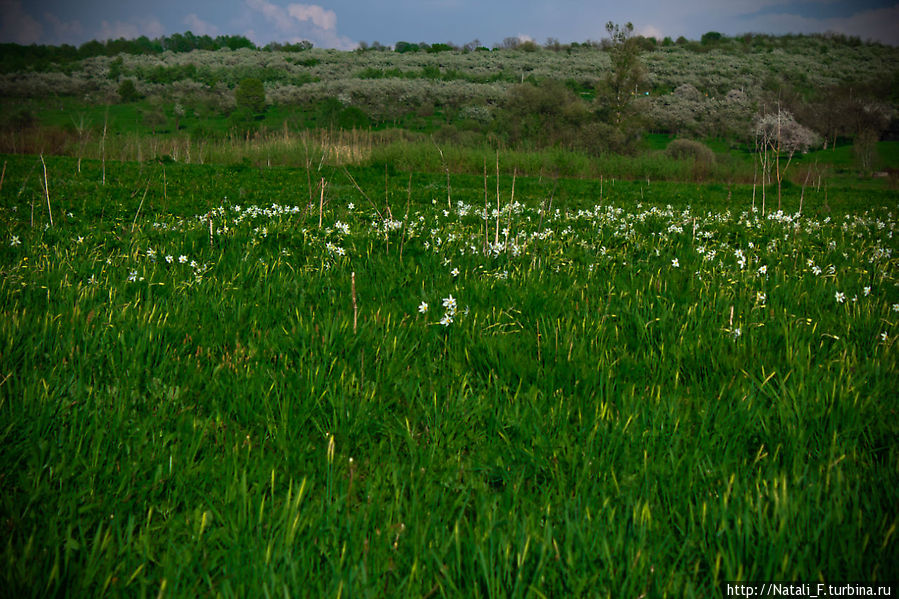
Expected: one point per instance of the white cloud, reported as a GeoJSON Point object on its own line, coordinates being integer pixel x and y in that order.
{"type": "Point", "coordinates": [149, 26]}
{"type": "Point", "coordinates": [650, 31]}
{"type": "Point", "coordinates": [17, 25]}
{"type": "Point", "coordinates": [295, 23]}
{"type": "Point", "coordinates": [320, 17]}
{"type": "Point", "coordinates": [199, 26]}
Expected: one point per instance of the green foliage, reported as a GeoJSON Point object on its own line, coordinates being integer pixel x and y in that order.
{"type": "Point", "coordinates": [127, 91]}
{"type": "Point", "coordinates": [543, 115]}
{"type": "Point", "coordinates": [437, 48]}
{"type": "Point", "coordinates": [864, 150]}
{"type": "Point", "coordinates": [710, 38]}
{"type": "Point", "coordinates": [688, 149]}
{"type": "Point", "coordinates": [617, 91]}
{"type": "Point", "coordinates": [403, 47]}
{"type": "Point", "coordinates": [250, 96]}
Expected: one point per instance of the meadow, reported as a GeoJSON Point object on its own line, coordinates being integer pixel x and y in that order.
{"type": "Point", "coordinates": [239, 380]}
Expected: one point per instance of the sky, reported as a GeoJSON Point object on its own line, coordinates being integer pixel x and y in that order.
{"type": "Point", "coordinates": [342, 24]}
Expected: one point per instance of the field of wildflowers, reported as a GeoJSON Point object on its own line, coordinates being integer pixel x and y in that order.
{"type": "Point", "coordinates": [233, 381]}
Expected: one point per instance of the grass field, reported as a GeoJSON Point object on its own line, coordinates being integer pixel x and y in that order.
{"type": "Point", "coordinates": [220, 381]}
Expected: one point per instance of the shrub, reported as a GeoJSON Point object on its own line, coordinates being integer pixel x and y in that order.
{"type": "Point", "coordinates": [127, 91]}
{"type": "Point", "coordinates": [250, 95]}
{"type": "Point", "coordinates": [686, 149]}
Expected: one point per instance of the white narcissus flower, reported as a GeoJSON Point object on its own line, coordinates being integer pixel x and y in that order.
{"type": "Point", "coordinates": [423, 307]}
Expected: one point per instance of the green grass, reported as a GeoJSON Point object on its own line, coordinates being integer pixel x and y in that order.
{"type": "Point", "coordinates": [597, 420]}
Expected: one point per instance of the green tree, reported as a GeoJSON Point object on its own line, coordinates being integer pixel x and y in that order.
{"type": "Point", "coordinates": [618, 88]}
{"type": "Point", "coordinates": [250, 96]}
{"type": "Point", "coordinates": [617, 91]}
{"type": "Point", "coordinates": [127, 91]}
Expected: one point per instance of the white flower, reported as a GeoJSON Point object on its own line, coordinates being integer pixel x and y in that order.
{"type": "Point", "coordinates": [840, 297]}
{"type": "Point", "coordinates": [193, 263]}
{"type": "Point", "coordinates": [92, 280]}
{"type": "Point", "coordinates": [884, 336]}
{"type": "Point", "coordinates": [132, 277]}
{"type": "Point", "coordinates": [447, 319]}
{"type": "Point", "coordinates": [867, 291]}
{"type": "Point", "coordinates": [350, 206]}
{"type": "Point", "coordinates": [15, 241]}
{"type": "Point", "coordinates": [455, 272]}
{"type": "Point", "coordinates": [79, 239]}
{"type": "Point", "coordinates": [761, 297]}
{"type": "Point", "coordinates": [675, 263]}
{"type": "Point", "coordinates": [450, 304]}
{"type": "Point", "coordinates": [895, 307]}
{"type": "Point", "coordinates": [182, 258]}
{"type": "Point", "coordinates": [169, 258]}
{"type": "Point", "coordinates": [736, 333]}
{"type": "Point", "coordinates": [763, 269]}
{"type": "Point", "coordinates": [423, 307]}
{"type": "Point", "coordinates": [816, 270]}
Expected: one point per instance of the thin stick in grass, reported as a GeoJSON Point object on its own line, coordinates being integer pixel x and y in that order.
{"type": "Point", "coordinates": [386, 196]}
{"type": "Point", "coordinates": [321, 203]}
{"type": "Point", "coordinates": [47, 190]}
{"type": "Point", "coordinates": [139, 206]}
{"type": "Point", "coordinates": [355, 306]}
{"type": "Point", "coordinates": [359, 189]}
{"type": "Point", "coordinates": [103, 146]}
{"type": "Point", "coordinates": [2, 175]}
{"type": "Point", "coordinates": [486, 223]}
{"type": "Point", "coordinates": [449, 202]}
{"type": "Point", "coordinates": [511, 200]}
{"type": "Point", "coordinates": [496, 234]}
{"type": "Point", "coordinates": [406, 216]}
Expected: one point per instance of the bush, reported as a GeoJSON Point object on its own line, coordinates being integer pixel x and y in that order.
{"type": "Point", "coordinates": [127, 91]}
{"type": "Point", "coordinates": [250, 95]}
{"type": "Point", "coordinates": [686, 149]}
